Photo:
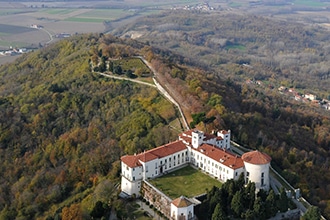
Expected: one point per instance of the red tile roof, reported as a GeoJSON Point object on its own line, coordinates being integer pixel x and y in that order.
{"type": "Point", "coordinates": [226, 158]}
{"type": "Point", "coordinates": [224, 132]}
{"type": "Point", "coordinates": [256, 157]}
{"type": "Point", "coordinates": [209, 137]}
{"type": "Point", "coordinates": [131, 160]}
{"type": "Point", "coordinates": [181, 202]}
{"type": "Point", "coordinates": [158, 152]}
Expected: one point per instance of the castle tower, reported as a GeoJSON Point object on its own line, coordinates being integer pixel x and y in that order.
{"type": "Point", "coordinates": [226, 138]}
{"type": "Point", "coordinates": [197, 138]}
{"type": "Point", "coordinates": [257, 168]}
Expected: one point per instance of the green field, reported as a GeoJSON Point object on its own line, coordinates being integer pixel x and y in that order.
{"type": "Point", "coordinates": [131, 64]}
{"type": "Point", "coordinates": [58, 11]}
{"type": "Point", "coordinates": [106, 13]}
{"type": "Point", "coordinates": [186, 181]}
{"type": "Point", "coordinates": [13, 29]}
{"type": "Point", "coordinates": [88, 20]}
{"type": "Point", "coordinates": [309, 3]}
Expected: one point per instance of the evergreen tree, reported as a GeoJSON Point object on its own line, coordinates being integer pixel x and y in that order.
{"type": "Point", "coordinates": [271, 207]}
{"type": "Point", "coordinates": [219, 214]}
{"type": "Point", "coordinates": [283, 201]}
{"type": "Point", "coordinates": [237, 204]}
{"type": "Point", "coordinates": [313, 213]}
{"type": "Point", "coordinates": [259, 208]}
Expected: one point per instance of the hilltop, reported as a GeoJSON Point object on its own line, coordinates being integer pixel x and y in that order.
{"type": "Point", "coordinates": [64, 127]}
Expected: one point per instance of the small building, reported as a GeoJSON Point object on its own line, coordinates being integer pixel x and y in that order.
{"type": "Point", "coordinates": [182, 209]}
{"type": "Point", "coordinates": [309, 96]}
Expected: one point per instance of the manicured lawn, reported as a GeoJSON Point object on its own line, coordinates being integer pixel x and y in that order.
{"type": "Point", "coordinates": [186, 181]}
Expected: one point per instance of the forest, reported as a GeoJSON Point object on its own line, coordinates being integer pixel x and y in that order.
{"type": "Point", "coordinates": [63, 127]}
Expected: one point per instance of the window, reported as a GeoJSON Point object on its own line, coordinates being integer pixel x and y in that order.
{"type": "Point", "coordinates": [262, 182]}
{"type": "Point", "coordinates": [165, 160]}
{"type": "Point", "coordinates": [247, 174]}
{"type": "Point", "coordinates": [262, 175]}
{"type": "Point", "coordinates": [133, 169]}
{"type": "Point", "coordinates": [133, 178]}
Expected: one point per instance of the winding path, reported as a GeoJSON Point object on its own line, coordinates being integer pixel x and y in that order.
{"type": "Point", "coordinates": [155, 85]}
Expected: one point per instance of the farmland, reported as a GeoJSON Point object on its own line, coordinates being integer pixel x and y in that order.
{"type": "Point", "coordinates": [103, 16]}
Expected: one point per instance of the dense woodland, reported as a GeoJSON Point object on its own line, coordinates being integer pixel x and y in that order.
{"type": "Point", "coordinates": [234, 199]}
{"type": "Point", "coordinates": [63, 127]}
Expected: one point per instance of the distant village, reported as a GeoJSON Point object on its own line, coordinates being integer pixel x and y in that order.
{"type": "Point", "coordinates": [292, 93]}
{"type": "Point", "coordinates": [306, 98]}
{"type": "Point", "coordinates": [198, 7]}
{"type": "Point", "coordinates": [14, 51]}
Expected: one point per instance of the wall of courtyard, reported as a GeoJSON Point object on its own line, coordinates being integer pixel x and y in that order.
{"type": "Point", "coordinates": [156, 198]}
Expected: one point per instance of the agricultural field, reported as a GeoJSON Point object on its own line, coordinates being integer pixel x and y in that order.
{"type": "Point", "coordinates": [186, 181]}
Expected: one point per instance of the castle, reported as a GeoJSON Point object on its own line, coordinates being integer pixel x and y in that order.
{"type": "Point", "coordinates": [209, 152]}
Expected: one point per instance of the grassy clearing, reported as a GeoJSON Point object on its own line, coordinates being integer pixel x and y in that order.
{"type": "Point", "coordinates": [131, 64]}
{"type": "Point", "coordinates": [237, 47]}
{"type": "Point", "coordinates": [186, 181]}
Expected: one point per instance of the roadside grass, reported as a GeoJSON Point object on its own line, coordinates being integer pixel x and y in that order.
{"type": "Point", "coordinates": [187, 181]}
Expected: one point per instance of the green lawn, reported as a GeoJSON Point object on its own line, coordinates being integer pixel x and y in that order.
{"type": "Point", "coordinates": [131, 64]}
{"type": "Point", "coordinates": [186, 181]}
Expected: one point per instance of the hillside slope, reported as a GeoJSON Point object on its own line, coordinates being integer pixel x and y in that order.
{"type": "Point", "coordinates": [247, 58]}
{"type": "Point", "coordinates": [64, 128]}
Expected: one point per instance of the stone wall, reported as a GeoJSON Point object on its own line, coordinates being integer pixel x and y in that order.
{"type": "Point", "coordinates": [155, 197]}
